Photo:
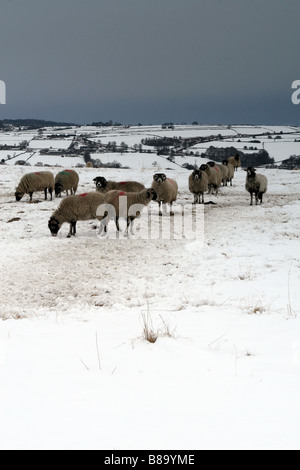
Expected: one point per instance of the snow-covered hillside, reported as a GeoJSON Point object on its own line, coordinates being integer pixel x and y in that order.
{"type": "Point", "coordinates": [280, 141]}
{"type": "Point", "coordinates": [76, 371]}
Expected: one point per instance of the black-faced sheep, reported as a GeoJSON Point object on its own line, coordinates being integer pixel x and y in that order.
{"type": "Point", "coordinates": [214, 177]}
{"type": "Point", "coordinates": [74, 208]}
{"type": "Point", "coordinates": [166, 190]}
{"type": "Point", "coordinates": [103, 185]}
{"type": "Point", "coordinates": [38, 181]}
{"type": "Point", "coordinates": [230, 171]}
{"type": "Point", "coordinates": [198, 185]}
{"type": "Point", "coordinates": [120, 204]}
{"type": "Point", "coordinates": [224, 171]}
{"type": "Point", "coordinates": [256, 184]}
{"type": "Point", "coordinates": [66, 180]}
{"type": "Point", "coordinates": [235, 161]}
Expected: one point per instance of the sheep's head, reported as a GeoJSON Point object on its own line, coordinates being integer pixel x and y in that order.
{"type": "Point", "coordinates": [211, 164]}
{"type": "Point", "coordinates": [159, 178]}
{"type": "Point", "coordinates": [58, 189]}
{"type": "Point", "coordinates": [54, 226]}
{"type": "Point", "coordinates": [100, 182]}
{"type": "Point", "coordinates": [251, 172]}
{"type": "Point", "coordinates": [225, 162]}
{"type": "Point", "coordinates": [18, 195]}
{"type": "Point", "coordinates": [197, 174]}
{"type": "Point", "coordinates": [204, 167]}
{"type": "Point", "coordinates": [151, 194]}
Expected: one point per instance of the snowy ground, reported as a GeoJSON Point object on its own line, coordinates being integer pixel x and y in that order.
{"type": "Point", "coordinates": [224, 373]}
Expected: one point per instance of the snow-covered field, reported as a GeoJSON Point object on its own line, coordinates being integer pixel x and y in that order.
{"type": "Point", "coordinates": [75, 369]}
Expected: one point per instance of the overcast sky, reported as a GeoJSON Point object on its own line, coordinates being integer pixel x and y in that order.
{"type": "Point", "coordinates": [150, 61]}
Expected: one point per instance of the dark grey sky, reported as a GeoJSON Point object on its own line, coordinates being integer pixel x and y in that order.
{"type": "Point", "coordinates": [150, 61]}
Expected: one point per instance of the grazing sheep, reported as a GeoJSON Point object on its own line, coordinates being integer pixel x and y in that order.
{"type": "Point", "coordinates": [230, 171]}
{"type": "Point", "coordinates": [125, 205]}
{"type": "Point", "coordinates": [257, 184]}
{"type": "Point", "coordinates": [214, 177]}
{"type": "Point", "coordinates": [224, 171]}
{"type": "Point", "coordinates": [198, 184]}
{"type": "Point", "coordinates": [235, 161]}
{"type": "Point", "coordinates": [31, 182]}
{"type": "Point", "coordinates": [166, 190]}
{"type": "Point", "coordinates": [66, 180]}
{"type": "Point", "coordinates": [74, 208]}
{"type": "Point", "coordinates": [104, 186]}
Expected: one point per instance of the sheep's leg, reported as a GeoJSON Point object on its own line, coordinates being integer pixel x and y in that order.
{"type": "Point", "coordinates": [171, 211]}
{"type": "Point", "coordinates": [251, 199]}
{"type": "Point", "coordinates": [256, 198]}
{"type": "Point", "coordinates": [195, 198]}
{"type": "Point", "coordinates": [50, 192]}
{"type": "Point", "coordinates": [30, 195]}
{"type": "Point", "coordinates": [202, 198]}
{"type": "Point", "coordinates": [117, 224]}
{"type": "Point", "coordinates": [159, 208]}
{"type": "Point", "coordinates": [70, 231]}
{"type": "Point", "coordinates": [45, 191]}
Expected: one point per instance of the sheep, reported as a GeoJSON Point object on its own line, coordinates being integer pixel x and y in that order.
{"type": "Point", "coordinates": [66, 180]}
{"type": "Point", "coordinates": [214, 177]}
{"type": "Point", "coordinates": [198, 184]}
{"type": "Point", "coordinates": [104, 186]}
{"type": "Point", "coordinates": [257, 184]}
{"type": "Point", "coordinates": [230, 171]}
{"type": "Point", "coordinates": [74, 208]}
{"type": "Point", "coordinates": [235, 161]}
{"type": "Point", "coordinates": [39, 181]}
{"type": "Point", "coordinates": [128, 205]}
{"type": "Point", "coordinates": [166, 190]}
{"type": "Point", "coordinates": [224, 171]}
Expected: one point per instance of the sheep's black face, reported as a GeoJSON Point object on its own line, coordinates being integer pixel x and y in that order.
{"type": "Point", "coordinates": [58, 189]}
{"type": "Point", "coordinates": [203, 167]}
{"type": "Point", "coordinates": [159, 178]}
{"type": "Point", "coordinates": [197, 175]}
{"type": "Point", "coordinates": [18, 196]}
{"type": "Point", "coordinates": [54, 226]}
{"type": "Point", "coordinates": [152, 194]}
{"type": "Point", "coordinates": [250, 172]}
{"type": "Point", "coordinates": [225, 162]}
{"type": "Point", "coordinates": [211, 164]}
{"type": "Point", "coordinates": [100, 182]}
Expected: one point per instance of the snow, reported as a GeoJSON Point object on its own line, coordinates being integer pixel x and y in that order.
{"type": "Point", "coordinates": [224, 373]}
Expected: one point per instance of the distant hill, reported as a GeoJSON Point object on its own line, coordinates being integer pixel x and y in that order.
{"type": "Point", "coordinates": [33, 123]}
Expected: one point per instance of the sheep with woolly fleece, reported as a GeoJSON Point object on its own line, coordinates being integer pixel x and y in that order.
{"type": "Point", "coordinates": [230, 171]}
{"type": "Point", "coordinates": [74, 208]}
{"type": "Point", "coordinates": [103, 185]}
{"type": "Point", "coordinates": [38, 181]}
{"type": "Point", "coordinates": [127, 205]}
{"type": "Point", "coordinates": [214, 177]}
{"type": "Point", "coordinates": [166, 190]}
{"type": "Point", "coordinates": [198, 185]}
{"type": "Point", "coordinates": [224, 171]}
{"type": "Point", "coordinates": [235, 161]}
{"type": "Point", "coordinates": [66, 180]}
{"type": "Point", "coordinates": [256, 184]}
